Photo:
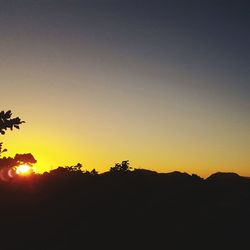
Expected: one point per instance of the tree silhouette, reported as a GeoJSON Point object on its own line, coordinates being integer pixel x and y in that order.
{"type": "Point", "coordinates": [121, 167]}
{"type": "Point", "coordinates": [67, 170]}
{"type": "Point", "coordinates": [2, 150]}
{"type": "Point", "coordinates": [94, 172]}
{"type": "Point", "coordinates": [75, 168]}
{"type": "Point", "coordinates": [6, 122]}
{"type": "Point", "coordinates": [24, 159]}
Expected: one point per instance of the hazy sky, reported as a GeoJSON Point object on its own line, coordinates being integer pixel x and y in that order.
{"type": "Point", "coordinates": [164, 84]}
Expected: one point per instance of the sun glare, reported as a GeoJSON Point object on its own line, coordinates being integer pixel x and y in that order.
{"type": "Point", "coordinates": [23, 170]}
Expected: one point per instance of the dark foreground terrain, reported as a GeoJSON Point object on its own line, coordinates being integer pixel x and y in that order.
{"type": "Point", "coordinates": [137, 209]}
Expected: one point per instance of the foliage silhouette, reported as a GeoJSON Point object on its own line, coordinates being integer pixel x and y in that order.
{"type": "Point", "coordinates": [121, 167]}
{"type": "Point", "coordinates": [9, 162]}
{"type": "Point", "coordinates": [2, 150]}
{"type": "Point", "coordinates": [67, 170]}
{"type": "Point", "coordinates": [93, 172]}
{"type": "Point", "coordinates": [6, 122]}
{"type": "Point", "coordinates": [25, 158]}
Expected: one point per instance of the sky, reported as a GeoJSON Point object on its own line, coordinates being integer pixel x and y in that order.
{"type": "Point", "coordinates": [163, 84]}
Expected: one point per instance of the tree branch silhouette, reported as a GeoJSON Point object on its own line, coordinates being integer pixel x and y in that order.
{"type": "Point", "coordinates": [6, 122]}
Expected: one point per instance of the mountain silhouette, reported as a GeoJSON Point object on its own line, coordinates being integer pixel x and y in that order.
{"type": "Point", "coordinates": [134, 209]}
{"type": "Point", "coordinates": [228, 177]}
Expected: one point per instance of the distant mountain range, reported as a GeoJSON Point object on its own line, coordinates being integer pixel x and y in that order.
{"type": "Point", "coordinates": [139, 209]}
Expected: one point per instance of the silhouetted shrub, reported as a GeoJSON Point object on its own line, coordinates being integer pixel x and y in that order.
{"type": "Point", "coordinates": [121, 167]}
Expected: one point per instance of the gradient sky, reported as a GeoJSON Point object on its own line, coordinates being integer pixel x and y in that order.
{"type": "Point", "coordinates": [164, 84]}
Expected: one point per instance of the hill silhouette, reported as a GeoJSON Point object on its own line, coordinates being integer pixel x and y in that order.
{"type": "Point", "coordinates": [124, 209]}
{"type": "Point", "coordinates": [227, 177]}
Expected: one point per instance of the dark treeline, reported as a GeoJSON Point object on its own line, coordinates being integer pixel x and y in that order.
{"type": "Point", "coordinates": [124, 208]}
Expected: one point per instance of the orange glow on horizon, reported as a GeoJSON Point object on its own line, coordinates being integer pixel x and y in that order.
{"type": "Point", "coordinates": [24, 169]}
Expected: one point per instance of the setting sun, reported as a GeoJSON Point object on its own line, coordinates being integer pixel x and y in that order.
{"type": "Point", "coordinates": [23, 169]}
